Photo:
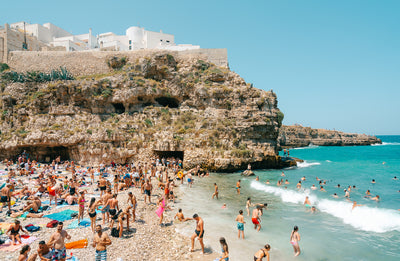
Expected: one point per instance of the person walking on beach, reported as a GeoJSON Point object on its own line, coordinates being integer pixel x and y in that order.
{"type": "Point", "coordinates": [263, 252]}
{"type": "Point", "coordinates": [215, 191]}
{"type": "Point", "coordinates": [100, 242]}
{"type": "Point", "coordinates": [224, 250]}
{"type": "Point", "coordinates": [294, 240]}
{"type": "Point", "coordinates": [255, 218]}
{"type": "Point", "coordinates": [6, 197]}
{"type": "Point", "coordinates": [240, 223]}
{"type": "Point", "coordinates": [147, 191]}
{"type": "Point", "coordinates": [57, 243]}
{"type": "Point", "coordinates": [105, 198]}
{"type": "Point", "coordinates": [132, 202]}
{"type": "Point", "coordinates": [198, 232]}
{"type": "Point", "coordinates": [81, 202]}
{"type": "Point", "coordinates": [238, 186]}
{"type": "Point", "coordinates": [93, 206]}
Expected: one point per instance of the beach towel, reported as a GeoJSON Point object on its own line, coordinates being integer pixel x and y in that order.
{"type": "Point", "coordinates": [25, 241]}
{"type": "Point", "coordinates": [77, 244]}
{"type": "Point", "coordinates": [61, 216]}
{"type": "Point", "coordinates": [75, 224]}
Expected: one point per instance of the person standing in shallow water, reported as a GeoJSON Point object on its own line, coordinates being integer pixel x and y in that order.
{"type": "Point", "coordinates": [215, 191]}
{"type": "Point", "coordinates": [238, 186]}
{"type": "Point", "coordinates": [294, 240]}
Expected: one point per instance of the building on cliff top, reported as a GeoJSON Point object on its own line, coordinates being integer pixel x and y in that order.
{"type": "Point", "coordinates": [23, 36]}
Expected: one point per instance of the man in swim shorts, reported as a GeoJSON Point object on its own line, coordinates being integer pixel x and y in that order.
{"type": "Point", "coordinates": [240, 223]}
{"type": "Point", "coordinates": [198, 232]}
{"type": "Point", "coordinates": [255, 218]}
{"type": "Point", "coordinates": [57, 242]}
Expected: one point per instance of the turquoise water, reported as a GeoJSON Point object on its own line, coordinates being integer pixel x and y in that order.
{"type": "Point", "coordinates": [335, 232]}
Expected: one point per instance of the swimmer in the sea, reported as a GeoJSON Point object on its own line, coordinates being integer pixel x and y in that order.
{"type": "Point", "coordinates": [313, 209]}
{"type": "Point", "coordinates": [376, 198]}
{"type": "Point", "coordinates": [346, 194]}
{"type": "Point", "coordinates": [367, 194]}
{"type": "Point", "coordinates": [335, 195]}
{"type": "Point", "coordinates": [373, 181]}
{"type": "Point", "coordinates": [286, 182]}
{"type": "Point", "coordinates": [283, 174]}
{"type": "Point", "coordinates": [355, 205]}
{"type": "Point", "coordinates": [395, 178]}
{"type": "Point", "coordinates": [307, 202]}
{"type": "Point", "coordinates": [318, 179]}
{"type": "Point", "coordinates": [257, 178]}
{"type": "Point", "coordinates": [313, 187]}
{"type": "Point", "coordinates": [338, 185]}
{"type": "Point", "coordinates": [303, 178]}
{"type": "Point", "coordinates": [321, 188]}
{"type": "Point", "coordinates": [298, 185]}
{"type": "Point", "coordinates": [267, 182]}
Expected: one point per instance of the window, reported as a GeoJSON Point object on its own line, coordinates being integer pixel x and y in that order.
{"type": "Point", "coordinates": [130, 41]}
{"type": "Point", "coordinates": [130, 47]}
{"type": "Point", "coordinates": [167, 41]}
{"type": "Point", "coordinates": [160, 40]}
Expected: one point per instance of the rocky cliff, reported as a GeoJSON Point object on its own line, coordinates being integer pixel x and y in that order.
{"type": "Point", "coordinates": [156, 105]}
{"type": "Point", "coordinates": [298, 136]}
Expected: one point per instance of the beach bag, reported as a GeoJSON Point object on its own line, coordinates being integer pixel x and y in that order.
{"type": "Point", "coordinates": [114, 232]}
{"type": "Point", "coordinates": [52, 224]}
{"type": "Point", "coordinates": [32, 228]}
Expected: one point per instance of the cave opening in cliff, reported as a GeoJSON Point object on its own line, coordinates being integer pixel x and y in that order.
{"type": "Point", "coordinates": [45, 153]}
{"type": "Point", "coordinates": [169, 154]}
{"type": "Point", "coordinates": [119, 108]}
{"type": "Point", "coordinates": [168, 101]}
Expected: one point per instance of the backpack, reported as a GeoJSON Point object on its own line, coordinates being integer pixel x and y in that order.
{"type": "Point", "coordinates": [52, 224]}
{"type": "Point", "coordinates": [114, 232]}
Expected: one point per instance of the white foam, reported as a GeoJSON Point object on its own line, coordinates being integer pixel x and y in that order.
{"type": "Point", "coordinates": [387, 144]}
{"type": "Point", "coordinates": [328, 161]}
{"type": "Point", "coordinates": [364, 218]}
{"type": "Point", "coordinates": [306, 164]}
{"type": "Point", "coordinates": [311, 146]}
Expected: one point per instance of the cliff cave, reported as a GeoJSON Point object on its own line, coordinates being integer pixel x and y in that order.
{"type": "Point", "coordinates": [45, 153]}
{"type": "Point", "coordinates": [169, 154]}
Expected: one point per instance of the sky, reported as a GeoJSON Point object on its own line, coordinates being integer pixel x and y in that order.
{"type": "Point", "coordinates": [332, 64]}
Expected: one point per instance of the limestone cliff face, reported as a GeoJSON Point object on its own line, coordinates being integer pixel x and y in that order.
{"type": "Point", "coordinates": [298, 136]}
{"type": "Point", "coordinates": [155, 105]}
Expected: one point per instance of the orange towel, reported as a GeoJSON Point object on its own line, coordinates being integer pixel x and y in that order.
{"type": "Point", "coordinates": [77, 244]}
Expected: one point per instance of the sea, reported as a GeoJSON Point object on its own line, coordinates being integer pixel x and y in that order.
{"type": "Point", "coordinates": [335, 232]}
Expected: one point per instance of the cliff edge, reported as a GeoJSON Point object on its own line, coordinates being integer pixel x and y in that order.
{"type": "Point", "coordinates": [298, 136]}
{"type": "Point", "coordinates": [155, 105]}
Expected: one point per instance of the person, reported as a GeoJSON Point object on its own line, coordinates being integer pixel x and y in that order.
{"type": "Point", "coordinates": [313, 187]}
{"type": "Point", "coordinates": [298, 185]}
{"type": "Point", "coordinates": [23, 254]}
{"type": "Point", "coordinates": [335, 195]}
{"type": "Point", "coordinates": [395, 178]}
{"type": "Point", "coordinates": [125, 214]}
{"type": "Point", "coordinates": [198, 232]}
{"type": "Point", "coordinates": [322, 189]}
{"type": "Point", "coordinates": [14, 232]}
{"type": "Point", "coordinates": [215, 191]}
{"type": "Point", "coordinates": [44, 251]}
{"type": "Point", "coordinates": [113, 204]}
{"type": "Point", "coordinates": [132, 202]}
{"type": "Point", "coordinates": [105, 198]}
{"type": "Point", "coordinates": [313, 209]}
{"type": "Point", "coordinates": [93, 206]}
{"type": "Point", "coordinates": [224, 250]}
{"type": "Point", "coordinates": [161, 208]}
{"type": "Point", "coordinates": [261, 207]}
{"type": "Point", "coordinates": [181, 217]}
{"type": "Point", "coordinates": [373, 181]}
{"type": "Point", "coordinates": [238, 186]}
{"type": "Point", "coordinates": [81, 201]}
{"type": "Point", "coordinates": [346, 193]}
{"type": "Point", "coordinates": [355, 205]}
{"type": "Point", "coordinates": [102, 185]}
{"type": "Point", "coordinates": [303, 178]}
{"type": "Point", "coordinates": [294, 240]}
{"type": "Point", "coordinates": [6, 197]}
{"type": "Point", "coordinates": [267, 182]}
{"type": "Point", "coordinates": [283, 174]}
{"type": "Point", "coordinates": [263, 252]}
{"type": "Point", "coordinates": [307, 202]}
{"type": "Point", "coordinates": [256, 219]}
{"type": "Point", "coordinates": [189, 179]}
{"type": "Point", "coordinates": [240, 223]}
{"type": "Point", "coordinates": [367, 194]}
{"type": "Point", "coordinates": [100, 242]}
{"type": "Point", "coordinates": [147, 191]}
{"type": "Point", "coordinates": [257, 178]}
{"type": "Point", "coordinates": [248, 205]}
{"type": "Point", "coordinates": [376, 198]}
{"type": "Point", "coordinates": [57, 243]}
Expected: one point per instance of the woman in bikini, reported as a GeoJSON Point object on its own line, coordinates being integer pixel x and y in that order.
{"type": "Point", "coordinates": [93, 206]}
{"type": "Point", "coordinates": [294, 240]}
{"type": "Point", "coordinates": [81, 202]}
{"type": "Point", "coordinates": [14, 232]}
{"type": "Point", "coordinates": [260, 254]}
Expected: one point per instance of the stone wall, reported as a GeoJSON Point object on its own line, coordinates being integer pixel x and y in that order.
{"type": "Point", "coordinates": [1, 48]}
{"type": "Point", "coordinates": [94, 62]}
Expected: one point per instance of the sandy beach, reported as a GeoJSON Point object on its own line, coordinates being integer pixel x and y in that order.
{"type": "Point", "coordinates": [147, 240]}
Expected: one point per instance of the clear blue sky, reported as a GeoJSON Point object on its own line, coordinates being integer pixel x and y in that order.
{"type": "Point", "coordinates": [333, 64]}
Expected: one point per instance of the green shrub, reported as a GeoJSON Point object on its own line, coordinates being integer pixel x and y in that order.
{"type": "Point", "coordinates": [116, 63]}
{"type": "Point", "coordinates": [280, 116]}
{"type": "Point", "coordinates": [35, 76]}
{"type": "Point", "coordinates": [3, 67]}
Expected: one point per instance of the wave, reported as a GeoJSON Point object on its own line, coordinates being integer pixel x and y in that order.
{"type": "Point", "coordinates": [364, 218]}
{"type": "Point", "coordinates": [306, 164]}
{"type": "Point", "coordinates": [387, 144]}
{"type": "Point", "coordinates": [311, 146]}
{"type": "Point", "coordinates": [328, 161]}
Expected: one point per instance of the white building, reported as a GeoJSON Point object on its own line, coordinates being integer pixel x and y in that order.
{"type": "Point", "coordinates": [136, 38]}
